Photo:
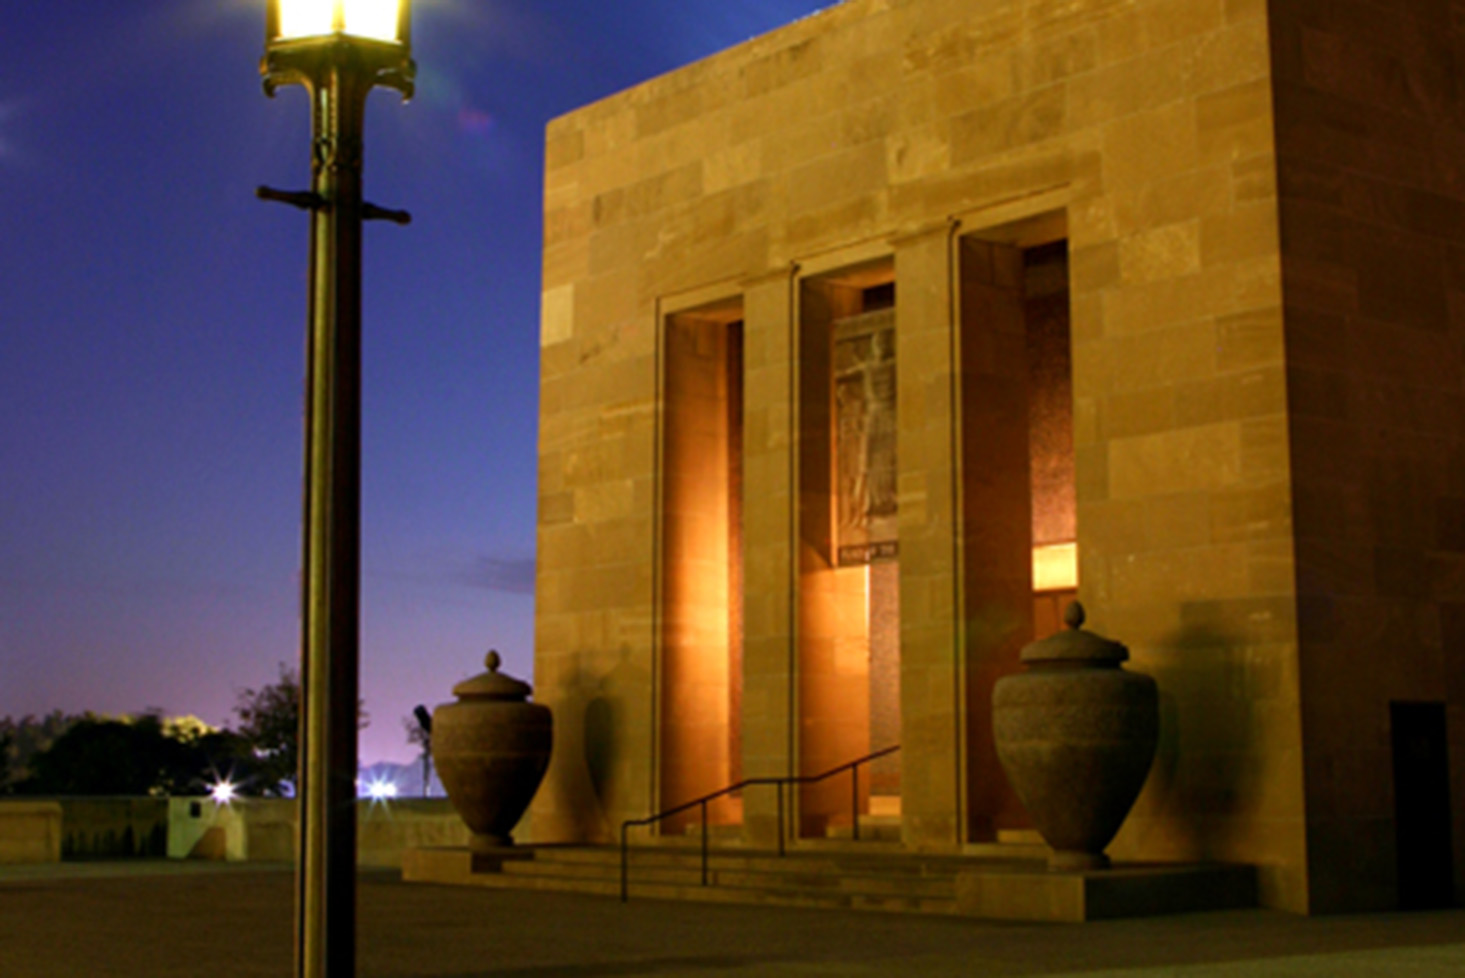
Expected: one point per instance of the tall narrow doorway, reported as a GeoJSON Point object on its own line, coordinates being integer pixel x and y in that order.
{"type": "Point", "coordinates": [848, 548]}
{"type": "Point", "coordinates": [701, 571]}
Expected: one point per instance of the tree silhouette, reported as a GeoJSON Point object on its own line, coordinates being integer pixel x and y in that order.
{"type": "Point", "coordinates": [269, 729]}
{"type": "Point", "coordinates": [130, 756]}
{"type": "Point", "coordinates": [269, 726]}
{"type": "Point", "coordinates": [29, 736]}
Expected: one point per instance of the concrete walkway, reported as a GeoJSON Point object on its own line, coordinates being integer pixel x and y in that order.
{"type": "Point", "coordinates": [158, 920]}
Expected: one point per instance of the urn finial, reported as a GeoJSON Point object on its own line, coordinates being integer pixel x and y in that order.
{"type": "Point", "coordinates": [1074, 643]}
{"type": "Point", "coordinates": [492, 685]}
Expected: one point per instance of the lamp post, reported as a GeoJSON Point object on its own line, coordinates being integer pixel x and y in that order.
{"type": "Point", "coordinates": [338, 50]}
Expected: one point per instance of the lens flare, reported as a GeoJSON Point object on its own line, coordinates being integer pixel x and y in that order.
{"type": "Point", "coordinates": [378, 789]}
{"type": "Point", "coordinates": [223, 792]}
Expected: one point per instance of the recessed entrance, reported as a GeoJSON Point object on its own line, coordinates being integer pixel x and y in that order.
{"type": "Point", "coordinates": [1050, 433]}
{"type": "Point", "coordinates": [1019, 537]}
{"type": "Point", "coordinates": [701, 604]}
{"type": "Point", "coordinates": [848, 545]}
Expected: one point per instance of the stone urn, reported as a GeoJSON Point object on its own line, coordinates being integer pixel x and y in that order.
{"type": "Point", "coordinates": [1076, 734]}
{"type": "Point", "coordinates": [491, 748]}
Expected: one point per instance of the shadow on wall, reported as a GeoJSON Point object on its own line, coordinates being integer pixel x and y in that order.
{"type": "Point", "coordinates": [590, 708]}
{"type": "Point", "coordinates": [1211, 770]}
{"type": "Point", "coordinates": [114, 828]}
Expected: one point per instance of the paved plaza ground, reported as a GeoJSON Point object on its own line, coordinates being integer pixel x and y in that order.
{"type": "Point", "coordinates": [157, 920]}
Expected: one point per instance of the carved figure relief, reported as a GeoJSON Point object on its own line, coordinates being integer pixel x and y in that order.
{"type": "Point", "coordinates": [865, 438]}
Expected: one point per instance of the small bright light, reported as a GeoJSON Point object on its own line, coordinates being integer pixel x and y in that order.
{"type": "Point", "coordinates": [376, 19]}
{"type": "Point", "coordinates": [223, 792]}
{"type": "Point", "coordinates": [380, 789]}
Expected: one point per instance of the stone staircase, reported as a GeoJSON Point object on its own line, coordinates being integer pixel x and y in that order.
{"type": "Point", "coordinates": [877, 877]}
{"type": "Point", "coordinates": [1003, 880]}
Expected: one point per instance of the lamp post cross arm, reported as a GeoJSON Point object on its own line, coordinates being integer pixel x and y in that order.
{"type": "Point", "coordinates": [310, 200]}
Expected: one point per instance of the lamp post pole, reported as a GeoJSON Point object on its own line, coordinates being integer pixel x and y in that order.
{"type": "Point", "coordinates": [326, 903]}
{"type": "Point", "coordinates": [338, 71]}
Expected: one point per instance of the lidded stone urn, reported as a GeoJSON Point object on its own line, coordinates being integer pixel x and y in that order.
{"type": "Point", "coordinates": [1076, 734]}
{"type": "Point", "coordinates": [491, 749]}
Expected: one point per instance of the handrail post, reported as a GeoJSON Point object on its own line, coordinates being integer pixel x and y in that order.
{"type": "Point", "coordinates": [780, 819]}
{"type": "Point", "coordinates": [785, 823]}
{"type": "Point", "coordinates": [704, 842]}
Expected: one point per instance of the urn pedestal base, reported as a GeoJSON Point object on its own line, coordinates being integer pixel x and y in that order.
{"type": "Point", "coordinates": [1069, 861]}
{"type": "Point", "coordinates": [1062, 896]}
{"type": "Point", "coordinates": [485, 844]}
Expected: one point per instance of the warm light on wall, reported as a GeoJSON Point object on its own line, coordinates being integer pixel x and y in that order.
{"type": "Point", "coordinates": [376, 19]}
{"type": "Point", "coordinates": [1055, 567]}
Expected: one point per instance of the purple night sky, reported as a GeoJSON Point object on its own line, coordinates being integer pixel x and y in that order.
{"type": "Point", "coordinates": [152, 328]}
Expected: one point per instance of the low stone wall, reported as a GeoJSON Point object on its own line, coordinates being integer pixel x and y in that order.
{"type": "Point", "coordinates": [247, 829]}
{"type": "Point", "coordinates": [385, 830]}
{"type": "Point", "coordinates": [263, 830]}
{"type": "Point", "coordinates": [30, 832]}
{"type": "Point", "coordinates": [113, 828]}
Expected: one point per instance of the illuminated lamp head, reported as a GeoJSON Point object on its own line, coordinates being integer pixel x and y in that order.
{"type": "Point", "coordinates": [375, 20]}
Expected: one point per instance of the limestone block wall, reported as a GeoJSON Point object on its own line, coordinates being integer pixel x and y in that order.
{"type": "Point", "coordinates": [110, 828]}
{"type": "Point", "coordinates": [266, 829]}
{"type": "Point", "coordinates": [895, 130]}
{"type": "Point", "coordinates": [1371, 161]}
{"type": "Point", "coordinates": [30, 832]}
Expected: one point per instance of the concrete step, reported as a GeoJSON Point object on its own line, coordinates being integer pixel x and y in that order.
{"type": "Point", "coordinates": [723, 833]}
{"type": "Point", "coordinates": [882, 828]}
{"type": "Point", "coordinates": [807, 857]}
{"type": "Point", "coordinates": [788, 876]}
{"type": "Point", "coordinates": [902, 883]}
{"type": "Point", "coordinates": [1008, 887]}
{"type": "Point", "coordinates": [1007, 851]}
{"type": "Point", "coordinates": [640, 889]}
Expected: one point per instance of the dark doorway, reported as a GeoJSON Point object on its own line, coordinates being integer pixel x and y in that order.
{"type": "Point", "coordinates": [1422, 805]}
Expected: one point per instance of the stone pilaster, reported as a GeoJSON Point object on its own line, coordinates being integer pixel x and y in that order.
{"type": "Point", "coordinates": [930, 633]}
{"type": "Point", "coordinates": [769, 642]}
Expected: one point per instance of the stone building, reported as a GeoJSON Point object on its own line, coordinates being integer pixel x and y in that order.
{"type": "Point", "coordinates": [866, 342]}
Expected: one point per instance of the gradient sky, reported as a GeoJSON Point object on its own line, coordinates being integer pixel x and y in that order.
{"type": "Point", "coordinates": [152, 327]}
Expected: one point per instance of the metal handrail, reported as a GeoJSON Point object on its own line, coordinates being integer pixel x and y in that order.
{"type": "Point", "coordinates": [852, 766]}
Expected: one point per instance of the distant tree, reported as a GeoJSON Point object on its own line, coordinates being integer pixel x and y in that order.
{"type": "Point", "coordinates": [28, 737]}
{"type": "Point", "coordinates": [6, 741]}
{"type": "Point", "coordinates": [127, 756]}
{"type": "Point", "coordinates": [269, 731]}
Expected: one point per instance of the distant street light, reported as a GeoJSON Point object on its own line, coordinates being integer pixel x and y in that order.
{"type": "Point", "coordinates": [223, 791]}
{"type": "Point", "coordinates": [338, 50]}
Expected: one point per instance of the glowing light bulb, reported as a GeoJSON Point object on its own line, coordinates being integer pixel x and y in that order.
{"type": "Point", "coordinates": [223, 792]}
{"type": "Point", "coordinates": [377, 19]}
{"type": "Point", "coordinates": [373, 18]}
{"type": "Point", "coordinates": [306, 18]}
